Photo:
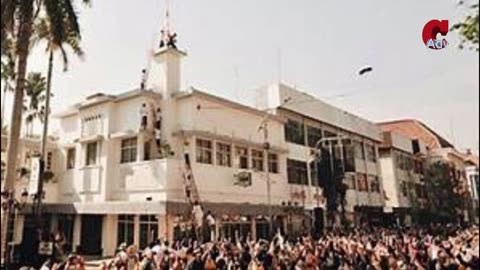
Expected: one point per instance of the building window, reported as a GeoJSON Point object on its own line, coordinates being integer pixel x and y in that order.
{"type": "Point", "coordinates": [241, 158]}
{"type": "Point", "coordinates": [295, 132]}
{"type": "Point", "coordinates": [404, 188]}
{"type": "Point", "coordinates": [204, 151]}
{"type": "Point", "coordinates": [400, 160]}
{"type": "Point", "coordinates": [129, 150]}
{"type": "Point", "coordinates": [71, 156]}
{"type": "Point", "coordinates": [374, 183]}
{"type": "Point", "coordinates": [419, 191]}
{"type": "Point", "coordinates": [408, 163]}
{"type": "Point", "coordinates": [359, 150]}
{"type": "Point", "coordinates": [257, 160]}
{"type": "Point", "coordinates": [313, 135]}
{"type": "Point", "coordinates": [351, 181]}
{"type": "Point", "coordinates": [297, 172]}
{"type": "Point", "coordinates": [371, 153]}
{"type": "Point", "coordinates": [148, 230]}
{"type": "Point", "coordinates": [273, 166]}
{"type": "Point", "coordinates": [125, 230]}
{"type": "Point", "coordinates": [329, 134]}
{"type": "Point", "coordinates": [349, 156]}
{"type": "Point", "coordinates": [224, 155]}
{"type": "Point", "coordinates": [418, 166]}
{"type": "Point", "coordinates": [91, 156]}
{"type": "Point", "coordinates": [362, 182]}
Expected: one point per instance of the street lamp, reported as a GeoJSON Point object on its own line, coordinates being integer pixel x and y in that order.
{"type": "Point", "coordinates": [11, 205]}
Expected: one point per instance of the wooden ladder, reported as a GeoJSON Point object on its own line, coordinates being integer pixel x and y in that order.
{"type": "Point", "coordinates": [191, 189]}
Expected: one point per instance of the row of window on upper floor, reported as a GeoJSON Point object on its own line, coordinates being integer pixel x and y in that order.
{"type": "Point", "coordinates": [225, 155]}
{"type": "Point", "coordinates": [407, 162]}
{"type": "Point", "coordinates": [302, 134]}
{"type": "Point", "coordinates": [410, 190]}
{"type": "Point", "coordinates": [243, 157]}
{"type": "Point", "coordinates": [297, 174]}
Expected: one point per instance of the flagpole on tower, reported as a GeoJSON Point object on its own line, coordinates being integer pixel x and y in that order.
{"type": "Point", "coordinates": [169, 37]}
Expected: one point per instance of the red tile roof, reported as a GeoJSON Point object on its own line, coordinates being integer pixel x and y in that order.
{"type": "Point", "coordinates": [416, 130]}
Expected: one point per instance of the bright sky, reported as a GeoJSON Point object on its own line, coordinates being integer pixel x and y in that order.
{"type": "Point", "coordinates": [235, 46]}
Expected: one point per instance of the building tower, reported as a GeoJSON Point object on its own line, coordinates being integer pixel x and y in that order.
{"type": "Point", "coordinates": [165, 76]}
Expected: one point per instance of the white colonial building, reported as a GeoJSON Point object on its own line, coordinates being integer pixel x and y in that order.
{"type": "Point", "coordinates": [115, 184]}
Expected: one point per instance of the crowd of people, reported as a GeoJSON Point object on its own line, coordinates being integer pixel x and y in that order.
{"type": "Point", "coordinates": [429, 248]}
{"type": "Point", "coordinates": [432, 248]}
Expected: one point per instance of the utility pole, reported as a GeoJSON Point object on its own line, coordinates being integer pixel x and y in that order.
{"type": "Point", "coordinates": [266, 152]}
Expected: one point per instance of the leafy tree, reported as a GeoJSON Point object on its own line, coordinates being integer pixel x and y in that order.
{"type": "Point", "coordinates": [442, 189]}
{"type": "Point", "coordinates": [468, 28]}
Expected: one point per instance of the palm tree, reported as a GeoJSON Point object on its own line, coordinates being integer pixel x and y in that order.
{"type": "Point", "coordinates": [56, 40]}
{"type": "Point", "coordinates": [8, 70]}
{"type": "Point", "coordinates": [35, 89]}
{"type": "Point", "coordinates": [17, 19]}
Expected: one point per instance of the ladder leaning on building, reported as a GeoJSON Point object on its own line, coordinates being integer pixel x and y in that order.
{"type": "Point", "coordinates": [192, 195]}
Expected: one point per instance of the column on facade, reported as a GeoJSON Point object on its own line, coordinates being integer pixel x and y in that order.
{"type": "Point", "coordinates": [136, 229]}
{"type": "Point", "coordinates": [109, 233]}
{"type": "Point", "coordinates": [163, 231]}
{"type": "Point", "coordinates": [77, 230]}
{"type": "Point", "coordinates": [254, 227]}
{"type": "Point", "coordinates": [141, 147]}
{"type": "Point", "coordinates": [18, 229]}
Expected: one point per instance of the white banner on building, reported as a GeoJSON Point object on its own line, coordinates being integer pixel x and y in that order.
{"type": "Point", "coordinates": [34, 176]}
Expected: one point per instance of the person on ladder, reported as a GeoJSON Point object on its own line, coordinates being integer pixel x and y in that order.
{"type": "Point", "coordinates": [158, 130]}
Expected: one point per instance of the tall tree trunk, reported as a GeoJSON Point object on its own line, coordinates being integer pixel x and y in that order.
{"type": "Point", "coordinates": [44, 136]}
{"type": "Point", "coordinates": [4, 100]}
{"type": "Point", "coordinates": [22, 49]}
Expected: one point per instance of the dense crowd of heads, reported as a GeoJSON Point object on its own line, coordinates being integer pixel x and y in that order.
{"type": "Point", "coordinates": [432, 248]}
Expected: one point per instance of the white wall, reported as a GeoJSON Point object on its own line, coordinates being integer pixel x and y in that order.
{"type": "Point", "coordinates": [308, 105]}
{"type": "Point", "coordinates": [221, 119]}
{"type": "Point", "coordinates": [390, 182]}
{"type": "Point", "coordinates": [401, 142]}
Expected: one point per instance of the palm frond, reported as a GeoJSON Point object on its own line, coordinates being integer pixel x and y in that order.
{"type": "Point", "coordinates": [55, 16]}
{"type": "Point", "coordinates": [71, 18]}
{"type": "Point", "coordinates": [64, 58]}
{"type": "Point", "coordinates": [9, 10]}
{"type": "Point", "coordinates": [41, 32]}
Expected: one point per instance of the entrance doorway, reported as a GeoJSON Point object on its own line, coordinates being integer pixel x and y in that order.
{"type": "Point", "coordinates": [91, 235]}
